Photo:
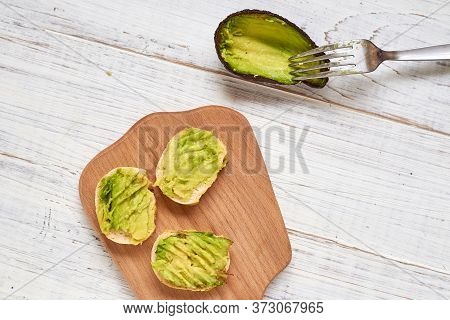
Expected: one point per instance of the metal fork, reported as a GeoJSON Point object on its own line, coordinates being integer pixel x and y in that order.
{"type": "Point", "coordinates": [353, 57]}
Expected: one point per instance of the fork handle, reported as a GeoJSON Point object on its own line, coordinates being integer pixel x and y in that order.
{"type": "Point", "coordinates": [423, 54]}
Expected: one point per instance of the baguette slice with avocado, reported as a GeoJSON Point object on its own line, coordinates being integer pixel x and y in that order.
{"type": "Point", "coordinates": [189, 165]}
{"type": "Point", "coordinates": [125, 206]}
{"type": "Point", "coordinates": [191, 260]}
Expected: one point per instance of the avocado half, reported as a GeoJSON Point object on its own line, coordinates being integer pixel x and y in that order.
{"type": "Point", "coordinates": [257, 45]}
{"type": "Point", "coordinates": [191, 260]}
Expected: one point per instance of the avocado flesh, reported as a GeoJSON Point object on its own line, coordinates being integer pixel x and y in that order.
{"type": "Point", "coordinates": [192, 158]}
{"type": "Point", "coordinates": [259, 44]}
{"type": "Point", "coordinates": [192, 260]}
{"type": "Point", "coordinates": [124, 203]}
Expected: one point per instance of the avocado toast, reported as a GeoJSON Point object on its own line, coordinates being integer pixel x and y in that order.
{"type": "Point", "coordinates": [124, 205]}
{"type": "Point", "coordinates": [190, 164]}
{"type": "Point", "coordinates": [191, 260]}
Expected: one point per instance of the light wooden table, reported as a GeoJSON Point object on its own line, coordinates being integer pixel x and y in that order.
{"type": "Point", "coordinates": [366, 197]}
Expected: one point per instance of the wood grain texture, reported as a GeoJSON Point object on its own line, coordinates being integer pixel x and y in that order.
{"type": "Point", "coordinates": [173, 31]}
{"type": "Point", "coordinates": [374, 202]}
{"type": "Point", "coordinates": [240, 205]}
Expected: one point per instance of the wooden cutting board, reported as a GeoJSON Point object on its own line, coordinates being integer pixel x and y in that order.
{"type": "Point", "coordinates": [240, 205]}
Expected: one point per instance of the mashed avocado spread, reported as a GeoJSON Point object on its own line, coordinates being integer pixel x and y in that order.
{"type": "Point", "coordinates": [192, 260]}
{"type": "Point", "coordinates": [192, 158]}
{"type": "Point", "coordinates": [125, 205]}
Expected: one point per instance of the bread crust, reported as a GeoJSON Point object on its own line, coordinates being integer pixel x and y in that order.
{"type": "Point", "coordinates": [167, 234]}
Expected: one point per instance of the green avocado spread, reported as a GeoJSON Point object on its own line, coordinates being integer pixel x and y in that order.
{"type": "Point", "coordinates": [260, 44]}
{"type": "Point", "coordinates": [192, 260]}
{"type": "Point", "coordinates": [125, 205]}
{"type": "Point", "coordinates": [192, 158]}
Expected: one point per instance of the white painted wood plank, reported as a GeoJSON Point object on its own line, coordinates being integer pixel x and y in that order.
{"type": "Point", "coordinates": [414, 93]}
{"type": "Point", "coordinates": [323, 269]}
{"type": "Point", "coordinates": [393, 167]}
{"type": "Point", "coordinates": [320, 269]}
{"type": "Point", "coordinates": [57, 111]}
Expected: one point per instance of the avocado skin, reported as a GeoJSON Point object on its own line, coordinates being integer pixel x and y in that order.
{"type": "Point", "coordinates": [314, 83]}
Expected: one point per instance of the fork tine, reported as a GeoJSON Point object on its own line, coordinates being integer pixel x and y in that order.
{"type": "Point", "coordinates": [321, 58]}
{"type": "Point", "coordinates": [325, 74]}
{"type": "Point", "coordinates": [336, 46]}
{"type": "Point", "coordinates": [322, 66]}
